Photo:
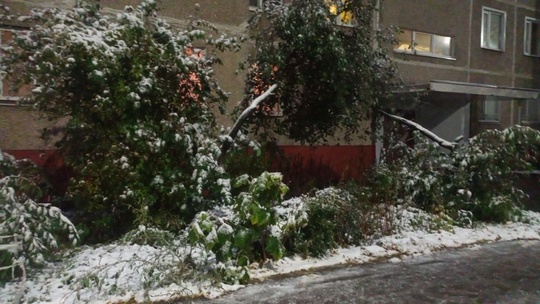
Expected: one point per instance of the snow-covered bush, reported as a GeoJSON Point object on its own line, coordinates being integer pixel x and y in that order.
{"type": "Point", "coordinates": [247, 230]}
{"type": "Point", "coordinates": [141, 138]}
{"type": "Point", "coordinates": [38, 228]}
{"type": "Point", "coordinates": [334, 218]}
{"type": "Point", "coordinates": [332, 221]}
{"type": "Point", "coordinates": [475, 181]}
{"type": "Point", "coordinates": [149, 236]}
{"type": "Point", "coordinates": [329, 78]}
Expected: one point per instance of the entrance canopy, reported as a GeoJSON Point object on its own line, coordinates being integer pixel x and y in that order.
{"type": "Point", "coordinates": [482, 89]}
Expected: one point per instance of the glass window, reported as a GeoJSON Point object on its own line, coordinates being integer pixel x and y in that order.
{"type": "Point", "coordinates": [405, 40]}
{"type": "Point", "coordinates": [441, 45]}
{"type": "Point", "coordinates": [343, 17]}
{"type": "Point", "coordinates": [530, 111]}
{"type": "Point", "coordinates": [426, 44]}
{"type": "Point", "coordinates": [493, 29]}
{"type": "Point", "coordinates": [490, 109]}
{"type": "Point", "coordinates": [422, 42]}
{"type": "Point", "coordinates": [254, 3]}
{"type": "Point", "coordinates": [532, 37]}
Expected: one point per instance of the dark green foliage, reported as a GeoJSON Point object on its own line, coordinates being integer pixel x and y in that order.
{"type": "Point", "coordinates": [33, 231]}
{"type": "Point", "coordinates": [246, 231]}
{"type": "Point", "coordinates": [141, 138]}
{"type": "Point", "coordinates": [329, 77]}
{"type": "Point", "coordinates": [334, 219]}
{"type": "Point", "coordinates": [477, 177]}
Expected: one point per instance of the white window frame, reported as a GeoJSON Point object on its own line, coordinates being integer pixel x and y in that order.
{"type": "Point", "coordinates": [527, 38]}
{"type": "Point", "coordinates": [260, 4]}
{"type": "Point", "coordinates": [487, 12]}
{"type": "Point", "coordinates": [526, 115]}
{"type": "Point", "coordinates": [413, 50]}
{"type": "Point", "coordinates": [497, 115]}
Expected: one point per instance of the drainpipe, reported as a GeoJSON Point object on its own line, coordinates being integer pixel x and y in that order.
{"type": "Point", "coordinates": [378, 123]}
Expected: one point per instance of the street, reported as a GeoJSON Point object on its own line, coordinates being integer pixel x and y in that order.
{"type": "Point", "coordinates": [505, 272]}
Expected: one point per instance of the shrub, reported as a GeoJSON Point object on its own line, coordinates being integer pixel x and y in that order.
{"type": "Point", "coordinates": [39, 228]}
{"type": "Point", "coordinates": [142, 138]}
{"type": "Point", "coordinates": [477, 178]}
{"type": "Point", "coordinates": [335, 218]}
{"type": "Point", "coordinates": [245, 231]}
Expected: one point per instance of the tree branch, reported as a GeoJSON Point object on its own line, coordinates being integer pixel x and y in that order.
{"type": "Point", "coordinates": [245, 114]}
{"type": "Point", "coordinates": [440, 141]}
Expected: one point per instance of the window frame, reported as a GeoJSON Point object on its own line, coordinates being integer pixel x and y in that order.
{"type": "Point", "coordinates": [527, 36]}
{"type": "Point", "coordinates": [526, 118]}
{"type": "Point", "coordinates": [260, 4]}
{"type": "Point", "coordinates": [502, 34]}
{"type": "Point", "coordinates": [483, 110]}
{"type": "Point", "coordinates": [9, 99]}
{"type": "Point", "coordinates": [412, 49]}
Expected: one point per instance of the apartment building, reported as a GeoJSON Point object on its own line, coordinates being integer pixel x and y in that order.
{"type": "Point", "coordinates": [476, 62]}
{"type": "Point", "coordinates": [20, 126]}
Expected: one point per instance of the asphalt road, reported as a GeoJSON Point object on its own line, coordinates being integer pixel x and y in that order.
{"type": "Point", "coordinates": [506, 272]}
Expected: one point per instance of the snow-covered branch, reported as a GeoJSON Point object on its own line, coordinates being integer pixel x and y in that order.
{"type": "Point", "coordinates": [245, 114]}
{"type": "Point", "coordinates": [440, 141]}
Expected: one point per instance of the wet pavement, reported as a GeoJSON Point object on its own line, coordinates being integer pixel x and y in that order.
{"type": "Point", "coordinates": [505, 272]}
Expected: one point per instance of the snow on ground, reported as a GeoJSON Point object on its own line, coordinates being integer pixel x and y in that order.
{"type": "Point", "coordinates": [114, 273]}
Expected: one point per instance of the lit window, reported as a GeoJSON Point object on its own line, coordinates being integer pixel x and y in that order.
{"type": "Point", "coordinates": [343, 17]}
{"type": "Point", "coordinates": [424, 44]}
{"type": "Point", "coordinates": [490, 109]}
{"type": "Point", "coordinates": [530, 111]}
{"type": "Point", "coordinates": [258, 4]}
{"type": "Point", "coordinates": [493, 29]}
{"type": "Point", "coordinates": [532, 37]}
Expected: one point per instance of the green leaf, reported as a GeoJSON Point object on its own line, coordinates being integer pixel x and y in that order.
{"type": "Point", "coordinates": [261, 217]}
{"type": "Point", "coordinates": [243, 238]}
{"type": "Point", "coordinates": [242, 261]}
{"type": "Point", "coordinates": [275, 248]}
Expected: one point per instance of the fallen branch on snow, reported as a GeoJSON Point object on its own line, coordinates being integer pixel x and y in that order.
{"type": "Point", "coordinates": [245, 114]}
{"type": "Point", "coordinates": [440, 141]}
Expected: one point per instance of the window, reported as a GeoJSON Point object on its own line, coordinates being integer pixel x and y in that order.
{"type": "Point", "coordinates": [490, 109]}
{"type": "Point", "coordinates": [532, 37]}
{"type": "Point", "coordinates": [493, 29]}
{"type": "Point", "coordinates": [343, 17]}
{"type": "Point", "coordinates": [530, 111]}
{"type": "Point", "coordinates": [426, 44]}
{"type": "Point", "coordinates": [258, 4]}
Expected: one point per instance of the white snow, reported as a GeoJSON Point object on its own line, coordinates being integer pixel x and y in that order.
{"type": "Point", "coordinates": [125, 268]}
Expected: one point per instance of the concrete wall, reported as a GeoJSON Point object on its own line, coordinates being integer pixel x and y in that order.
{"type": "Point", "coordinates": [24, 6]}
{"type": "Point", "coordinates": [462, 20]}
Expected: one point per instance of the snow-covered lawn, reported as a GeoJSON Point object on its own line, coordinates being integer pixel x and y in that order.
{"type": "Point", "coordinates": [118, 272]}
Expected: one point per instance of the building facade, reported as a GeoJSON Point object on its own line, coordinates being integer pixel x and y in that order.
{"type": "Point", "coordinates": [20, 126]}
{"type": "Point", "coordinates": [476, 62]}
